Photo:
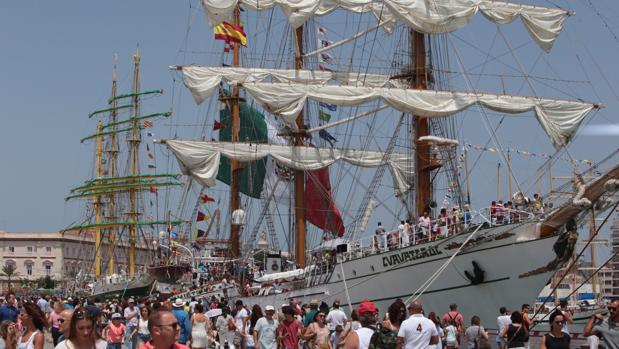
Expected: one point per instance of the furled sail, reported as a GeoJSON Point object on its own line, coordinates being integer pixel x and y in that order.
{"type": "Point", "coordinates": [435, 17]}
{"type": "Point", "coordinates": [560, 119]}
{"type": "Point", "coordinates": [202, 81]}
{"type": "Point", "coordinates": [200, 160]}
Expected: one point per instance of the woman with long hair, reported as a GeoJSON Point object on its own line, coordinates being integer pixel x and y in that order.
{"type": "Point", "coordinates": [441, 334]}
{"type": "Point", "coordinates": [8, 334]}
{"type": "Point", "coordinates": [53, 318]}
{"type": "Point", "coordinates": [256, 313]}
{"type": "Point", "coordinates": [33, 323]}
{"type": "Point", "coordinates": [142, 329]}
{"type": "Point", "coordinates": [556, 338]}
{"type": "Point", "coordinates": [83, 333]}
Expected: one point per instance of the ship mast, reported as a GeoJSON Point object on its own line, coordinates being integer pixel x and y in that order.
{"type": "Point", "coordinates": [134, 143]}
{"type": "Point", "coordinates": [299, 176]}
{"type": "Point", "coordinates": [112, 154]}
{"type": "Point", "coordinates": [235, 166]}
{"type": "Point", "coordinates": [423, 192]}
{"type": "Point", "coordinates": [97, 202]}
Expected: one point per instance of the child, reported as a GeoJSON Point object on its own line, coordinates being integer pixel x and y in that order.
{"type": "Point", "coordinates": [451, 335]}
{"type": "Point", "coordinates": [114, 333]}
{"type": "Point", "coordinates": [335, 336]}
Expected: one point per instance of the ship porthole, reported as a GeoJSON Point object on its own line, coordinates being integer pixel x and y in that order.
{"type": "Point", "coordinates": [371, 267]}
{"type": "Point", "coordinates": [354, 273]}
{"type": "Point", "coordinates": [338, 276]}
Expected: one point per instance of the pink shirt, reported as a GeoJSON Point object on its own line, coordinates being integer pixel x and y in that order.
{"type": "Point", "coordinates": [115, 334]}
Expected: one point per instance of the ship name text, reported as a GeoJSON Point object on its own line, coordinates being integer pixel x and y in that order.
{"type": "Point", "coordinates": [411, 255]}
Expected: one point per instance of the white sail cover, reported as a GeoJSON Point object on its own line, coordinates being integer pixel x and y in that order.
{"type": "Point", "coordinates": [560, 119]}
{"type": "Point", "coordinates": [200, 160]}
{"type": "Point", "coordinates": [435, 17]}
{"type": "Point", "coordinates": [202, 81]}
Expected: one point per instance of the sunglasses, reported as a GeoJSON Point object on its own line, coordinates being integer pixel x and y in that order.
{"type": "Point", "coordinates": [81, 314]}
{"type": "Point", "coordinates": [175, 325]}
{"type": "Point", "coordinates": [61, 321]}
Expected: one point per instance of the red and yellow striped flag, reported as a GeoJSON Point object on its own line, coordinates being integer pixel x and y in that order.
{"type": "Point", "coordinates": [230, 33]}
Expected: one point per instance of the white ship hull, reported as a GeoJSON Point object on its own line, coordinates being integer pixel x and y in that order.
{"type": "Point", "coordinates": [387, 276]}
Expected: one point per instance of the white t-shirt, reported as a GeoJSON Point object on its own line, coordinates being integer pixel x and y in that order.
{"type": "Point", "coordinates": [336, 317]}
{"type": "Point", "coordinates": [365, 335]}
{"type": "Point", "coordinates": [502, 322]}
{"type": "Point", "coordinates": [99, 344]}
{"type": "Point", "coordinates": [134, 316]}
{"type": "Point", "coordinates": [239, 317]}
{"type": "Point", "coordinates": [417, 332]}
{"type": "Point", "coordinates": [267, 332]}
{"type": "Point", "coordinates": [192, 306]}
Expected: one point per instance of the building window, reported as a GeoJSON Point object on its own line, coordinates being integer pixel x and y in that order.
{"type": "Point", "coordinates": [29, 248]}
{"type": "Point", "coordinates": [29, 269]}
{"type": "Point", "coordinates": [48, 270]}
{"type": "Point", "coordinates": [11, 248]}
{"type": "Point", "coordinates": [48, 249]}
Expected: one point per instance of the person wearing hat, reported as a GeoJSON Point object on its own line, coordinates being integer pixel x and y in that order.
{"type": "Point", "coordinates": [360, 339]}
{"type": "Point", "coordinates": [131, 314]}
{"type": "Point", "coordinates": [114, 332]}
{"type": "Point", "coordinates": [265, 331]}
{"type": "Point", "coordinates": [417, 331]}
{"type": "Point", "coordinates": [309, 316]}
{"type": "Point", "coordinates": [336, 317]}
{"type": "Point", "coordinates": [178, 309]}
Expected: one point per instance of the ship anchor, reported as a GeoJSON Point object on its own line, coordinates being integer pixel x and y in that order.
{"type": "Point", "coordinates": [477, 277]}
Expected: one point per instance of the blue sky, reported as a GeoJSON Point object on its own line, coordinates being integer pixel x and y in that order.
{"type": "Point", "coordinates": [57, 62]}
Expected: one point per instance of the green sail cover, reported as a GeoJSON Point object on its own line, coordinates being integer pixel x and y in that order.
{"type": "Point", "coordinates": [253, 128]}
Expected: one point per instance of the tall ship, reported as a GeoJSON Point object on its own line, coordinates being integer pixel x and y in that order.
{"type": "Point", "coordinates": [306, 127]}
{"type": "Point", "coordinates": [132, 245]}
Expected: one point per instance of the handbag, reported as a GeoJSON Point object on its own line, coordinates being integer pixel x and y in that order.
{"type": "Point", "coordinates": [481, 342]}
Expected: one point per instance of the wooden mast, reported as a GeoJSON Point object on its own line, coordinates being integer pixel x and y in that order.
{"type": "Point", "coordinates": [235, 166]}
{"type": "Point", "coordinates": [135, 141]}
{"type": "Point", "coordinates": [97, 202]}
{"type": "Point", "coordinates": [423, 166]}
{"type": "Point", "coordinates": [113, 152]}
{"type": "Point", "coordinates": [299, 176]}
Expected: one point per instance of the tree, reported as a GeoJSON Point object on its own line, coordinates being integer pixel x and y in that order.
{"type": "Point", "coordinates": [9, 270]}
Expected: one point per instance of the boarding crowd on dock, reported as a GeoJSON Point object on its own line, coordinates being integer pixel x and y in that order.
{"type": "Point", "coordinates": [87, 323]}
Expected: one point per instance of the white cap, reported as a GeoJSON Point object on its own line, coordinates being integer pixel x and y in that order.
{"type": "Point", "coordinates": [269, 307]}
{"type": "Point", "coordinates": [178, 303]}
{"type": "Point", "coordinates": [116, 316]}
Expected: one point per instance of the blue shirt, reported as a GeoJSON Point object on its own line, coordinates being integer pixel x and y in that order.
{"type": "Point", "coordinates": [183, 322]}
{"type": "Point", "coordinates": [8, 313]}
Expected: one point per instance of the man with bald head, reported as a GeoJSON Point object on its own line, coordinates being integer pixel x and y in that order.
{"type": "Point", "coordinates": [417, 331]}
{"type": "Point", "coordinates": [65, 324]}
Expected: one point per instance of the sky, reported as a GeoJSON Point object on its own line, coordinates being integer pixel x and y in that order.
{"type": "Point", "coordinates": [57, 62]}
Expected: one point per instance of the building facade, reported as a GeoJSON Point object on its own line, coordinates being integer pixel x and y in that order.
{"type": "Point", "coordinates": [61, 256]}
{"type": "Point", "coordinates": [614, 235]}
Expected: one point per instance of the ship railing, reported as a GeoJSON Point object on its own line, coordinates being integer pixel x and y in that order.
{"type": "Point", "coordinates": [439, 228]}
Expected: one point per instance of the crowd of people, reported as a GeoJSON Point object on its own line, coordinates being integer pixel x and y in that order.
{"type": "Point", "coordinates": [214, 323]}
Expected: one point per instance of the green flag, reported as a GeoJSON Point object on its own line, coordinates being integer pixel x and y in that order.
{"type": "Point", "coordinates": [253, 128]}
{"type": "Point", "coordinates": [324, 116]}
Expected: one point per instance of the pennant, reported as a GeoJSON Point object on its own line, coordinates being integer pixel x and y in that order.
{"type": "Point", "coordinates": [153, 190]}
{"type": "Point", "coordinates": [322, 31]}
{"type": "Point", "coordinates": [151, 166]}
{"type": "Point", "coordinates": [323, 68]}
{"type": "Point", "coordinates": [324, 116]}
{"type": "Point", "coordinates": [320, 208]}
{"type": "Point", "coordinates": [150, 134]}
{"type": "Point", "coordinates": [148, 123]}
{"type": "Point", "coordinates": [326, 58]}
{"type": "Point", "coordinates": [201, 217]}
{"type": "Point", "coordinates": [327, 137]}
{"type": "Point", "coordinates": [331, 107]}
{"type": "Point", "coordinates": [150, 155]}
{"type": "Point", "coordinates": [218, 126]}
{"type": "Point", "coordinates": [103, 161]}
{"type": "Point", "coordinates": [230, 33]}
{"type": "Point", "coordinates": [206, 199]}
{"type": "Point", "coordinates": [325, 43]}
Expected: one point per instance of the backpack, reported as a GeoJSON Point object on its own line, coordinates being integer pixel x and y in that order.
{"type": "Point", "coordinates": [383, 338]}
{"type": "Point", "coordinates": [451, 335]}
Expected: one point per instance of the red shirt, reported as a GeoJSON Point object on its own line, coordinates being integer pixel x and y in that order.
{"type": "Point", "coordinates": [115, 334]}
{"type": "Point", "coordinates": [455, 316]}
{"type": "Point", "coordinates": [147, 345]}
{"type": "Point", "coordinates": [291, 333]}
